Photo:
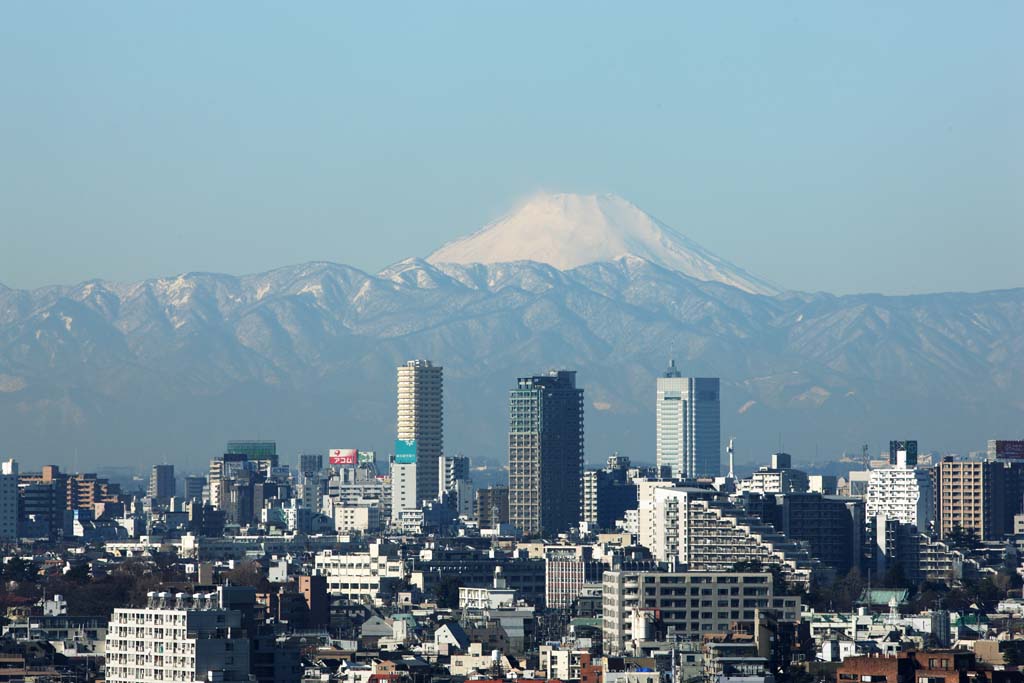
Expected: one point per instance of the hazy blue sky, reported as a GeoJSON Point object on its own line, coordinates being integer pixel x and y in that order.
{"type": "Point", "coordinates": [869, 146]}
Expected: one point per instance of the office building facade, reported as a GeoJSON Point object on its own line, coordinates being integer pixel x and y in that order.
{"type": "Point", "coordinates": [9, 502]}
{"type": "Point", "coordinates": [161, 482]}
{"type": "Point", "coordinates": [688, 422]}
{"type": "Point", "coordinates": [255, 451]}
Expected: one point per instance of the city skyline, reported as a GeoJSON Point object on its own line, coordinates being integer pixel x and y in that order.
{"type": "Point", "coordinates": [333, 343]}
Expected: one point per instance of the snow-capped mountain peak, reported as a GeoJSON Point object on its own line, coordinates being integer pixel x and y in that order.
{"type": "Point", "coordinates": [571, 230]}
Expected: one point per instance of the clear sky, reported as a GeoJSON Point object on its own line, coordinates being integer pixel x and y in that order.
{"type": "Point", "coordinates": [869, 146]}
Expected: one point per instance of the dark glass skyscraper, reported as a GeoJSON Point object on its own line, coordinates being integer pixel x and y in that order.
{"type": "Point", "coordinates": [545, 453]}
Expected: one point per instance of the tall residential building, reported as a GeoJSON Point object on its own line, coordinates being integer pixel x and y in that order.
{"type": "Point", "coordinates": [688, 417]}
{"type": "Point", "coordinates": [902, 492]}
{"type": "Point", "coordinates": [545, 453]}
{"type": "Point", "coordinates": [9, 502]}
{"type": "Point", "coordinates": [971, 495]}
{"type": "Point", "coordinates": [421, 419]}
{"type": "Point", "coordinates": [161, 482]}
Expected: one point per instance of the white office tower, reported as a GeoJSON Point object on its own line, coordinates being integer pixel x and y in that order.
{"type": "Point", "coordinates": [688, 415]}
{"type": "Point", "coordinates": [177, 637]}
{"type": "Point", "coordinates": [9, 501]}
{"type": "Point", "coordinates": [403, 488]}
{"type": "Point", "coordinates": [421, 419]}
{"type": "Point", "coordinates": [901, 492]}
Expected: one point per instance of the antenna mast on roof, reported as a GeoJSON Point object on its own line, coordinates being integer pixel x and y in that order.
{"type": "Point", "coordinates": [731, 450]}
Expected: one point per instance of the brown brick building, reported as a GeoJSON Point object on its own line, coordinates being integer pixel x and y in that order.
{"type": "Point", "coordinates": [924, 666]}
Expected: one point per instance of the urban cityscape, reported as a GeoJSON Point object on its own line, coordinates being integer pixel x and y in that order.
{"type": "Point", "coordinates": [479, 342]}
{"type": "Point", "coordinates": [359, 566]}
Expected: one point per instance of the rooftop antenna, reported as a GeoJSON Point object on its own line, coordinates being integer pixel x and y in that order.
{"type": "Point", "coordinates": [731, 450]}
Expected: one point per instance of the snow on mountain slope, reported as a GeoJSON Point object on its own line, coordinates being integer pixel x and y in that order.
{"type": "Point", "coordinates": [571, 230]}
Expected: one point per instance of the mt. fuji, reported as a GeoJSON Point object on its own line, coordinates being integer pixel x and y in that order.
{"type": "Point", "coordinates": [571, 230]}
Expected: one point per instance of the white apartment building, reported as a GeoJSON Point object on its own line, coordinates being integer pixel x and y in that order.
{"type": "Point", "coordinates": [688, 421]}
{"type": "Point", "coordinates": [560, 664]}
{"type": "Point", "coordinates": [421, 419]}
{"type": "Point", "coordinates": [484, 597]}
{"type": "Point", "coordinates": [695, 529]}
{"type": "Point", "coordinates": [177, 637]}
{"type": "Point", "coordinates": [780, 477]}
{"type": "Point", "coordinates": [404, 485]}
{"type": "Point", "coordinates": [9, 501]}
{"type": "Point", "coordinates": [354, 518]}
{"type": "Point", "coordinates": [360, 576]}
{"type": "Point", "coordinates": [454, 480]}
{"type": "Point", "coordinates": [690, 603]}
{"type": "Point", "coordinates": [902, 493]}
{"type": "Point", "coordinates": [647, 509]}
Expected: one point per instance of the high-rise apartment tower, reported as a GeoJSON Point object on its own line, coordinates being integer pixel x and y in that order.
{"type": "Point", "coordinates": [421, 419]}
{"type": "Point", "coordinates": [545, 453]}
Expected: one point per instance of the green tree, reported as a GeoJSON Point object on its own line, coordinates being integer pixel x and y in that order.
{"type": "Point", "coordinates": [248, 574]}
{"type": "Point", "coordinates": [79, 574]}
{"type": "Point", "coordinates": [961, 538]}
{"type": "Point", "coordinates": [841, 594]}
{"type": "Point", "coordinates": [20, 571]}
{"type": "Point", "coordinates": [446, 592]}
{"type": "Point", "coordinates": [1013, 652]}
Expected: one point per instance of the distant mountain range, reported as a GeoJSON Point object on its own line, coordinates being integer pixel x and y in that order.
{"type": "Point", "coordinates": [170, 369]}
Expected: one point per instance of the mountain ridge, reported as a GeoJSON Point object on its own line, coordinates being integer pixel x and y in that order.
{"type": "Point", "coordinates": [307, 352]}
